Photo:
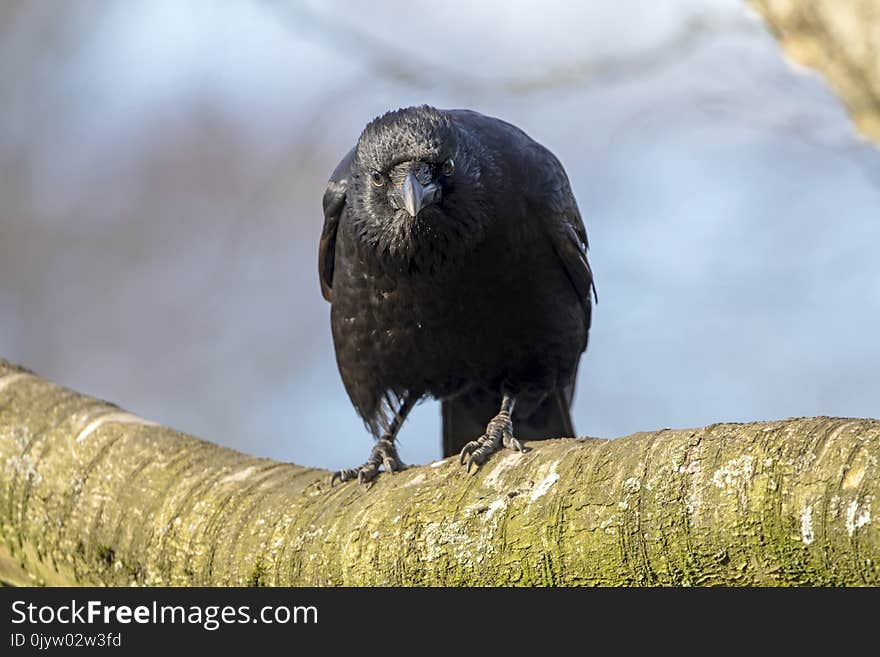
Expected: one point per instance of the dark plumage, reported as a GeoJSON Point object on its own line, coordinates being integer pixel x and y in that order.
{"type": "Point", "coordinates": [455, 259]}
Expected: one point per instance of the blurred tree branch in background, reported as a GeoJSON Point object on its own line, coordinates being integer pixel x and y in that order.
{"type": "Point", "coordinates": [93, 495]}
{"type": "Point", "coordinates": [404, 66]}
{"type": "Point", "coordinates": [841, 39]}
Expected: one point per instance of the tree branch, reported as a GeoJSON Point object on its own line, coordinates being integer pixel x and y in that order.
{"type": "Point", "coordinates": [389, 61]}
{"type": "Point", "coordinates": [840, 39]}
{"type": "Point", "coordinates": [94, 495]}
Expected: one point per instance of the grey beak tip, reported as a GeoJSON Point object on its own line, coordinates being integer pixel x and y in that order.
{"type": "Point", "coordinates": [413, 195]}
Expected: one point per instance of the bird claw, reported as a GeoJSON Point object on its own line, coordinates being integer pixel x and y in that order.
{"type": "Point", "coordinates": [343, 475]}
{"type": "Point", "coordinates": [499, 433]}
{"type": "Point", "coordinates": [384, 453]}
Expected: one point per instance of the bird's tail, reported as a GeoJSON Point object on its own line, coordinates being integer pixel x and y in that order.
{"type": "Point", "coordinates": [465, 418]}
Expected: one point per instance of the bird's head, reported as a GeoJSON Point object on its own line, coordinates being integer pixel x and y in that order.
{"type": "Point", "coordinates": [417, 188]}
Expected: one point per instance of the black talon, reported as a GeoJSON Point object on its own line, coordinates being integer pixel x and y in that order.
{"type": "Point", "coordinates": [512, 442]}
{"type": "Point", "coordinates": [467, 450]}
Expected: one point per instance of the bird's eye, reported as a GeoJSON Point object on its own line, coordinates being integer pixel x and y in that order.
{"type": "Point", "coordinates": [448, 167]}
{"type": "Point", "coordinates": [377, 178]}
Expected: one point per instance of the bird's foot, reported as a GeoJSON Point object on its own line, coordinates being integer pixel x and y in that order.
{"type": "Point", "coordinates": [384, 453]}
{"type": "Point", "coordinates": [499, 433]}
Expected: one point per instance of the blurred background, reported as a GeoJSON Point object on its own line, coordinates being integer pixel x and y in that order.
{"type": "Point", "coordinates": [162, 165]}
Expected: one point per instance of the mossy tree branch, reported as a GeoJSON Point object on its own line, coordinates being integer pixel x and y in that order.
{"type": "Point", "coordinates": [93, 495]}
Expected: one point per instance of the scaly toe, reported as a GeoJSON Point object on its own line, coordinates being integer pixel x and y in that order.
{"type": "Point", "coordinates": [346, 474]}
{"type": "Point", "coordinates": [392, 465]}
{"type": "Point", "coordinates": [367, 473]}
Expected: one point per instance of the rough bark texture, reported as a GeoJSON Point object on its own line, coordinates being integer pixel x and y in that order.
{"type": "Point", "coordinates": [93, 495]}
{"type": "Point", "coordinates": [840, 38]}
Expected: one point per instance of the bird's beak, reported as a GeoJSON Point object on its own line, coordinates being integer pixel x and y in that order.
{"type": "Point", "coordinates": [416, 196]}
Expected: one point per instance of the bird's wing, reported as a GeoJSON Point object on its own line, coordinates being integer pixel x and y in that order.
{"type": "Point", "coordinates": [541, 176]}
{"type": "Point", "coordinates": [334, 202]}
{"type": "Point", "coordinates": [557, 208]}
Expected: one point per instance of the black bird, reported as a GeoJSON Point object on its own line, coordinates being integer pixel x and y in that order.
{"type": "Point", "coordinates": [455, 259]}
